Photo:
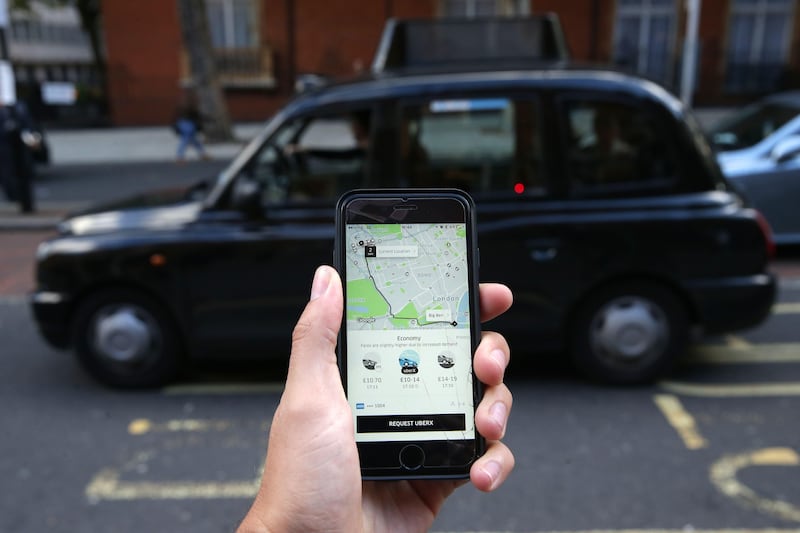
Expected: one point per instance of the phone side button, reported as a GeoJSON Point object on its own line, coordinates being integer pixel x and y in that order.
{"type": "Point", "coordinates": [412, 457]}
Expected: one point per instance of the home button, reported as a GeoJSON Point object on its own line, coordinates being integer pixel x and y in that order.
{"type": "Point", "coordinates": [412, 457]}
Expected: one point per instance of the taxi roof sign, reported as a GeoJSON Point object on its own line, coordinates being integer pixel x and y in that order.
{"type": "Point", "coordinates": [429, 43]}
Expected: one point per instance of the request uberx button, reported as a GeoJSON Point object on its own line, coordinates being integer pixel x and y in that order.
{"type": "Point", "coordinates": [392, 423]}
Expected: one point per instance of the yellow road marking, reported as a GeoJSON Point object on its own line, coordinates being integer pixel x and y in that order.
{"type": "Point", "coordinates": [107, 486]}
{"type": "Point", "coordinates": [775, 456]}
{"type": "Point", "coordinates": [680, 420]}
{"type": "Point", "coordinates": [786, 308]}
{"type": "Point", "coordinates": [140, 426]}
{"type": "Point", "coordinates": [723, 475]}
{"type": "Point", "coordinates": [777, 352]}
{"type": "Point", "coordinates": [224, 388]}
{"type": "Point", "coordinates": [736, 342]}
{"type": "Point", "coordinates": [739, 390]}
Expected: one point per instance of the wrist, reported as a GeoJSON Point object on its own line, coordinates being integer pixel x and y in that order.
{"type": "Point", "coordinates": [252, 524]}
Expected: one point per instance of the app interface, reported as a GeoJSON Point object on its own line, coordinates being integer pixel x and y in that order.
{"type": "Point", "coordinates": [409, 371]}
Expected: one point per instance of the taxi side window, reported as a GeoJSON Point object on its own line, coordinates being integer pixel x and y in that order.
{"type": "Point", "coordinates": [314, 158]}
{"type": "Point", "coordinates": [479, 145]}
{"type": "Point", "coordinates": [613, 148]}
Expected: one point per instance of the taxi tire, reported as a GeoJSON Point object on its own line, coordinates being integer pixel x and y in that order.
{"type": "Point", "coordinates": [658, 308]}
{"type": "Point", "coordinates": [160, 365]}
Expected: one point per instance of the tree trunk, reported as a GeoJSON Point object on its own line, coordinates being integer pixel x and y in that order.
{"type": "Point", "coordinates": [205, 79]}
{"type": "Point", "coordinates": [89, 12]}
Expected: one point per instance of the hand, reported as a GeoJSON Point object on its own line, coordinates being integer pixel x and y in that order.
{"type": "Point", "coordinates": [312, 479]}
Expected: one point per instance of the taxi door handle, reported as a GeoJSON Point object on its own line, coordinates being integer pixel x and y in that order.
{"type": "Point", "coordinates": [544, 254]}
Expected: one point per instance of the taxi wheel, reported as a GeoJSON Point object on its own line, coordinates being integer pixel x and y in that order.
{"type": "Point", "coordinates": [629, 333]}
{"type": "Point", "coordinates": [125, 339]}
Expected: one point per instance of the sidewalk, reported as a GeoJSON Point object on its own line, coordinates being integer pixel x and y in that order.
{"type": "Point", "coordinates": [110, 145]}
{"type": "Point", "coordinates": [46, 217]}
{"type": "Point", "coordinates": [134, 145]}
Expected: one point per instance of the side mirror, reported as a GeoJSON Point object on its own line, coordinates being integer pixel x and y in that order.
{"type": "Point", "coordinates": [246, 197]}
{"type": "Point", "coordinates": [786, 149]}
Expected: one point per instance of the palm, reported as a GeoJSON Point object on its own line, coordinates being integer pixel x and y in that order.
{"type": "Point", "coordinates": [403, 506]}
{"type": "Point", "coordinates": [397, 506]}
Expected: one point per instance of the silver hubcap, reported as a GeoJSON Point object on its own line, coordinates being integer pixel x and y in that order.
{"type": "Point", "coordinates": [124, 334]}
{"type": "Point", "coordinates": [629, 329]}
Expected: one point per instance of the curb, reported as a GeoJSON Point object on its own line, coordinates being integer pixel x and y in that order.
{"type": "Point", "coordinates": [29, 222]}
{"type": "Point", "coordinates": [46, 217]}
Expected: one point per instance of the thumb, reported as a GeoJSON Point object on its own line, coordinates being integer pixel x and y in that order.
{"type": "Point", "coordinates": [314, 338]}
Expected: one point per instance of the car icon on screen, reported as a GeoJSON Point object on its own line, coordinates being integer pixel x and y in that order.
{"type": "Point", "coordinates": [409, 362]}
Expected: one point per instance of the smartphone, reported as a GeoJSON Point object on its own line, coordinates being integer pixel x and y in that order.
{"type": "Point", "coordinates": [408, 259]}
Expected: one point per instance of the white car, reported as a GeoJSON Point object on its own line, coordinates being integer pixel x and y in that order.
{"type": "Point", "coordinates": [758, 149]}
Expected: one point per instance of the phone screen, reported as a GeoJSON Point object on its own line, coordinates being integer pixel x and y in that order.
{"type": "Point", "coordinates": [407, 318]}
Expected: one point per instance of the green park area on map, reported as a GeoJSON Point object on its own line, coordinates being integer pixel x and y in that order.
{"type": "Point", "coordinates": [364, 301]}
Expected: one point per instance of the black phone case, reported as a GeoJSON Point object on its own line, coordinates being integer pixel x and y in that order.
{"type": "Point", "coordinates": [439, 449]}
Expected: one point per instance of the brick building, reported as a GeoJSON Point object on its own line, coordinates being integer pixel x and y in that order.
{"type": "Point", "coordinates": [47, 47]}
{"type": "Point", "coordinates": [746, 47]}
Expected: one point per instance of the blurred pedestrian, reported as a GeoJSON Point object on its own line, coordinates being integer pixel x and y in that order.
{"type": "Point", "coordinates": [16, 159]}
{"type": "Point", "coordinates": [188, 125]}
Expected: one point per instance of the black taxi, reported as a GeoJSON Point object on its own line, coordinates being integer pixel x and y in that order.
{"type": "Point", "coordinates": [599, 202]}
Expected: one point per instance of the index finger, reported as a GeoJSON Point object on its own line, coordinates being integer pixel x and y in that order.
{"type": "Point", "coordinates": [495, 299]}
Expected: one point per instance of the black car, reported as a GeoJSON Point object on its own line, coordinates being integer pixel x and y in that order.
{"type": "Point", "coordinates": [599, 203]}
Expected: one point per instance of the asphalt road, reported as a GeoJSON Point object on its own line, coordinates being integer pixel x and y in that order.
{"type": "Point", "coordinates": [715, 447]}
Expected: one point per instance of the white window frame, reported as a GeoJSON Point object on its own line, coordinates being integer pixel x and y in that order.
{"type": "Point", "coordinates": [750, 72]}
{"type": "Point", "coordinates": [501, 8]}
{"type": "Point", "coordinates": [229, 33]}
{"type": "Point", "coordinates": [759, 10]}
{"type": "Point", "coordinates": [645, 12]}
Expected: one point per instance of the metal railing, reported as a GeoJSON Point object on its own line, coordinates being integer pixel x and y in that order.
{"type": "Point", "coordinates": [239, 67]}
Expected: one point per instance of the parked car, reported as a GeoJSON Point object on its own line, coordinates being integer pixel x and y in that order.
{"type": "Point", "coordinates": [759, 152]}
{"type": "Point", "coordinates": [599, 202]}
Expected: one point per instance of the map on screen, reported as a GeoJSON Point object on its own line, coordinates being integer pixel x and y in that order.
{"type": "Point", "coordinates": [407, 276]}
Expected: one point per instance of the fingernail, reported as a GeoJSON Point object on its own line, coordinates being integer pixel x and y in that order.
{"type": "Point", "coordinates": [500, 358]}
{"type": "Point", "coordinates": [499, 413]}
{"type": "Point", "coordinates": [322, 278]}
{"type": "Point", "coordinates": [492, 469]}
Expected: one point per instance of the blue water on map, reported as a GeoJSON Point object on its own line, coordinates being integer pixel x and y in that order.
{"type": "Point", "coordinates": [462, 314]}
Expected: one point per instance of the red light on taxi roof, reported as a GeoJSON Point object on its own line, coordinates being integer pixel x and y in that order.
{"type": "Point", "coordinates": [519, 188]}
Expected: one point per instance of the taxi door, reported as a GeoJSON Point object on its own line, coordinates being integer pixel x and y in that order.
{"type": "Point", "coordinates": [251, 277]}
